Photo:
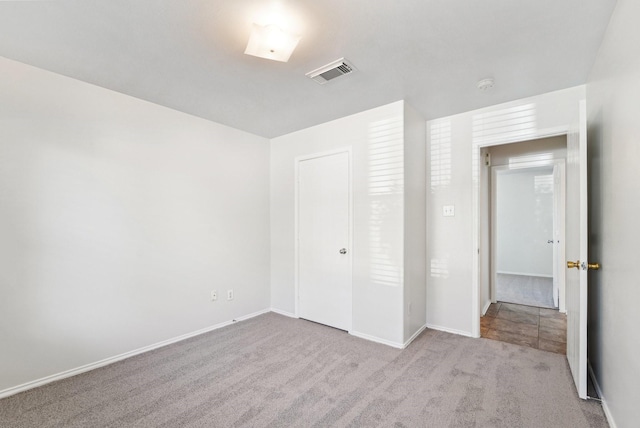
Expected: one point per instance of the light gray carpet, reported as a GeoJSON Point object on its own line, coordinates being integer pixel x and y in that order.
{"type": "Point", "coordinates": [525, 290]}
{"type": "Point", "coordinates": [273, 371]}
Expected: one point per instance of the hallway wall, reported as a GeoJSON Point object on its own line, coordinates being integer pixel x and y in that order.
{"type": "Point", "coordinates": [524, 222]}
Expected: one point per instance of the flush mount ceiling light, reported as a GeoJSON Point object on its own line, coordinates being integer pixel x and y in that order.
{"type": "Point", "coordinates": [486, 84]}
{"type": "Point", "coordinates": [271, 42]}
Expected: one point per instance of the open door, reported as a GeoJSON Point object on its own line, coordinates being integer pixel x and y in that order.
{"type": "Point", "coordinates": [577, 253]}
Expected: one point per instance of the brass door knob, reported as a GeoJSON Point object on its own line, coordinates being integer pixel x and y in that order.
{"type": "Point", "coordinates": [575, 264]}
{"type": "Point", "coordinates": [584, 266]}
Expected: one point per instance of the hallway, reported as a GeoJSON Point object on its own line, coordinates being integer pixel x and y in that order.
{"type": "Point", "coordinates": [538, 328]}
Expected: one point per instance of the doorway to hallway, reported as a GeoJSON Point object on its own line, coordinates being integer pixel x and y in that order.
{"type": "Point", "coordinates": [523, 230]}
{"type": "Point", "coordinates": [527, 224]}
{"type": "Point", "coordinates": [525, 203]}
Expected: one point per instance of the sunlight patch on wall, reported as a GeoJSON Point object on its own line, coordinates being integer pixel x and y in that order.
{"type": "Point", "coordinates": [543, 184]}
{"type": "Point", "coordinates": [510, 124]}
{"type": "Point", "coordinates": [385, 152]}
{"type": "Point", "coordinates": [439, 268]}
{"type": "Point", "coordinates": [386, 157]}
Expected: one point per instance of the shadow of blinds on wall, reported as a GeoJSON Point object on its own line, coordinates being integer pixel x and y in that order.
{"type": "Point", "coordinates": [385, 153]}
{"type": "Point", "coordinates": [511, 124]}
{"type": "Point", "coordinates": [440, 152]}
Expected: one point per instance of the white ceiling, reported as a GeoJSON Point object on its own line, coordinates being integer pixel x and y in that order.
{"type": "Point", "coordinates": [188, 54]}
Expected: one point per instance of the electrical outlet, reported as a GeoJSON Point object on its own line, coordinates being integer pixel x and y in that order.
{"type": "Point", "coordinates": [448, 210]}
{"type": "Point", "coordinates": [229, 294]}
{"type": "Point", "coordinates": [214, 295]}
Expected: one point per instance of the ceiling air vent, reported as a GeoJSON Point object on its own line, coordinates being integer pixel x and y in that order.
{"type": "Point", "coordinates": [330, 71]}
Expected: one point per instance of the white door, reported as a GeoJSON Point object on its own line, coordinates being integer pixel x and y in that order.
{"type": "Point", "coordinates": [324, 259]}
{"type": "Point", "coordinates": [555, 239]}
{"type": "Point", "coordinates": [576, 251]}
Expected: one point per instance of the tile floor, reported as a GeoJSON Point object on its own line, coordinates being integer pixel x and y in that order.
{"type": "Point", "coordinates": [538, 328]}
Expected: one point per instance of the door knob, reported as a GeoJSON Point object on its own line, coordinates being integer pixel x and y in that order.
{"type": "Point", "coordinates": [343, 251]}
{"type": "Point", "coordinates": [583, 265]}
{"type": "Point", "coordinates": [572, 265]}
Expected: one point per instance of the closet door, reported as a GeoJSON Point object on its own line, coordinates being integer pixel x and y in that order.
{"type": "Point", "coordinates": [324, 259]}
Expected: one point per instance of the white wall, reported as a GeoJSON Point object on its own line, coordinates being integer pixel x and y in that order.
{"type": "Point", "coordinates": [117, 219]}
{"type": "Point", "coordinates": [453, 301]}
{"type": "Point", "coordinates": [613, 94]}
{"type": "Point", "coordinates": [524, 221]}
{"type": "Point", "coordinates": [415, 222]}
{"type": "Point", "coordinates": [377, 140]}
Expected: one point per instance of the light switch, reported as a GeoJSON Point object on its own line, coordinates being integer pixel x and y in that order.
{"type": "Point", "coordinates": [448, 210]}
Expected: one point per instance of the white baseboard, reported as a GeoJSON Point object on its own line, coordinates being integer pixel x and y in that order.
{"type": "Point", "coordinates": [451, 330]}
{"type": "Point", "coordinates": [377, 339]}
{"type": "Point", "coordinates": [605, 408]}
{"type": "Point", "coordinates": [486, 307]}
{"type": "Point", "coordinates": [285, 313]}
{"type": "Point", "coordinates": [252, 315]}
{"type": "Point", "coordinates": [92, 366]}
{"type": "Point", "coordinates": [526, 274]}
{"type": "Point", "coordinates": [412, 338]}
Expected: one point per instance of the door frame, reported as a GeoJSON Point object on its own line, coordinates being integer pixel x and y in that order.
{"type": "Point", "coordinates": [348, 150]}
{"type": "Point", "coordinates": [479, 215]}
{"type": "Point", "coordinates": [559, 188]}
{"type": "Point", "coordinates": [559, 220]}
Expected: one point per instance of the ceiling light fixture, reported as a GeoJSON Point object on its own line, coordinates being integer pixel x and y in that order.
{"type": "Point", "coordinates": [271, 42]}
{"type": "Point", "coordinates": [486, 84]}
